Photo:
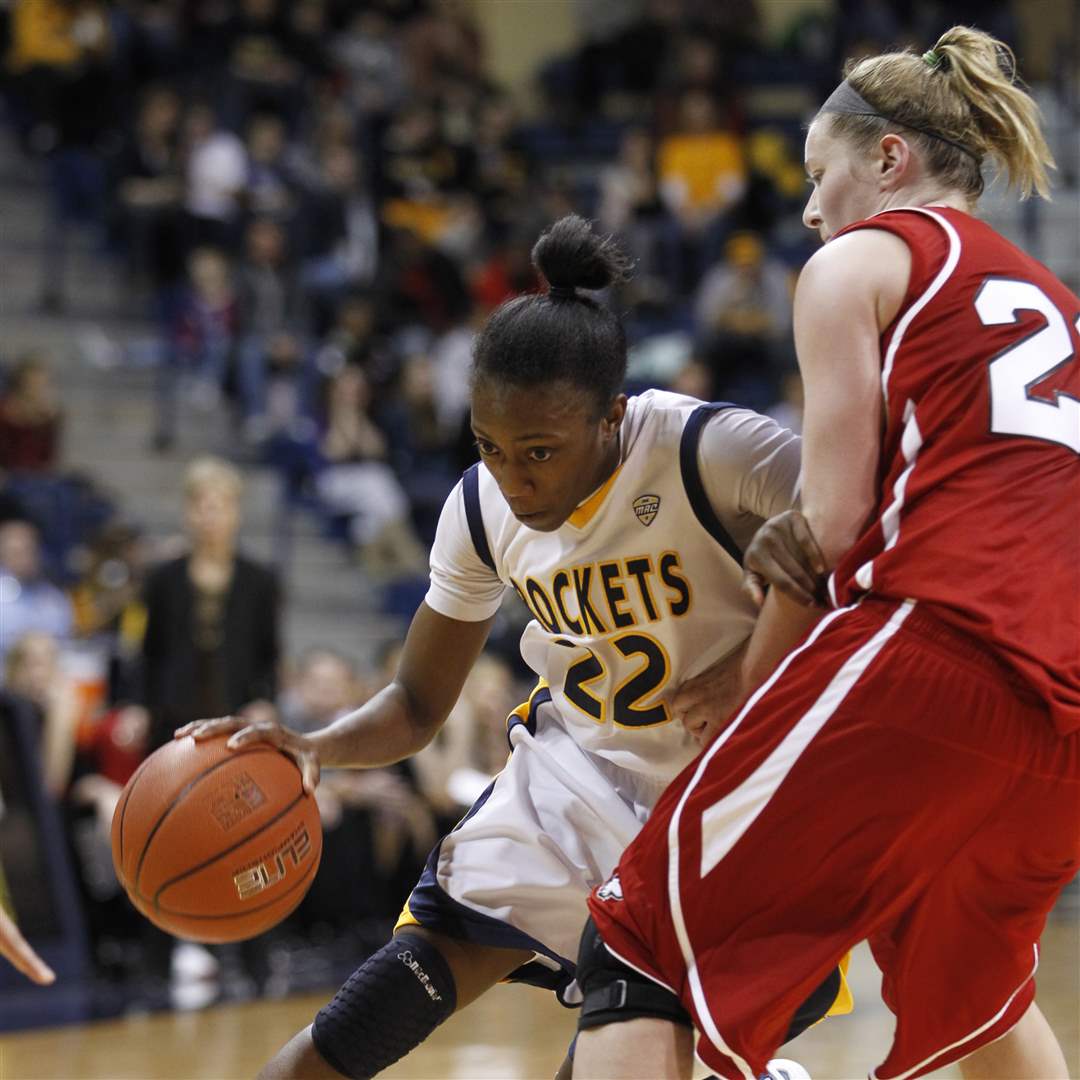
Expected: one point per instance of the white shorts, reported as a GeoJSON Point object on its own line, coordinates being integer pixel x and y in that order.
{"type": "Point", "coordinates": [516, 871]}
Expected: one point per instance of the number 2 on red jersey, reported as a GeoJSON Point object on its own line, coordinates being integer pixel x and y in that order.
{"type": "Point", "coordinates": [1013, 373]}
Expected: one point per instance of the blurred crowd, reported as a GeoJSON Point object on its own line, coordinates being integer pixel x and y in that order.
{"type": "Point", "coordinates": [314, 204]}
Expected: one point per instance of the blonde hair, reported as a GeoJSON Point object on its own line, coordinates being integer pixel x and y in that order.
{"type": "Point", "coordinates": [964, 89]}
{"type": "Point", "coordinates": [212, 472]}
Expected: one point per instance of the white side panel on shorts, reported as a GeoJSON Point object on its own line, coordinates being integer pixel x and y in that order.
{"type": "Point", "coordinates": [861, 660]}
{"type": "Point", "coordinates": [725, 822]}
{"type": "Point", "coordinates": [708, 1025]}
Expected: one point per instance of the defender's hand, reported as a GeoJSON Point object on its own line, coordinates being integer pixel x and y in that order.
{"type": "Point", "coordinates": [242, 732]}
{"type": "Point", "coordinates": [704, 704]}
{"type": "Point", "coordinates": [784, 553]}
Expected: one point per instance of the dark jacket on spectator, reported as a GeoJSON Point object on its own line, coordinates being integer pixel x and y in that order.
{"type": "Point", "coordinates": [182, 682]}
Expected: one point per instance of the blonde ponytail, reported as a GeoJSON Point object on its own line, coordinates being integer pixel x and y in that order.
{"type": "Point", "coordinates": [963, 104]}
{"type": "Point", "coordinates": [1006, 119]}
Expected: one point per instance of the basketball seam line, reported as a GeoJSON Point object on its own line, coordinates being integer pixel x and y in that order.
{"type": "Point", "coordinates": [233, 754]}
{"type": "Point", "coordinates": [123, 810]}
{"type": "Point", "coordinates": [221, 854]}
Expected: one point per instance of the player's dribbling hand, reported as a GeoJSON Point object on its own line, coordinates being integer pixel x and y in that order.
{"type": "Point", "coordinates": [243, 732]}
{"type": "Point", "coordinates": [784, 553]}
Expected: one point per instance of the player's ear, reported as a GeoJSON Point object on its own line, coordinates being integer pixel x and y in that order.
{"type": "Point", "coordinates": [613, 417]}
{"type": "Point", "coordinates": [894, 159]}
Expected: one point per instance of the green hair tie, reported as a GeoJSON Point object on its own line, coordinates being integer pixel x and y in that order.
{"type": "Point", "coordinates": [932, 59]}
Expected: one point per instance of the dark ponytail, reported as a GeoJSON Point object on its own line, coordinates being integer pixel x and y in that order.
{"type": "Point", "coordinates": [561, 335]}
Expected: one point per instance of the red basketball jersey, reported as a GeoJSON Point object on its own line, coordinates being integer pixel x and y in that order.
{"type": "Point", "coordinates": [979, 505]}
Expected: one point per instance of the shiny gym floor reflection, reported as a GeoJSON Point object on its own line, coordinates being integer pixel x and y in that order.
{"type": "Point", "coordinates": [512, 1032]}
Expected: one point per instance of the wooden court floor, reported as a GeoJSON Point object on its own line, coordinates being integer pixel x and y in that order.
{"type": "Point", "coordinates": [512, 1033]}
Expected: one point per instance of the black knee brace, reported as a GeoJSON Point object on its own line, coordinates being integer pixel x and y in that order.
{"type": "Point", "coordinates": [388, 1006]}
{"type": "Point", "coordinates": [613, 993]}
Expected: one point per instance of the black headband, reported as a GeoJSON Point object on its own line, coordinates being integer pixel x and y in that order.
{"type": "Point", "coordinates": [847, 101]}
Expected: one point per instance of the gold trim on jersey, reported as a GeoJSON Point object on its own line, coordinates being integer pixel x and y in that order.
{"type": "Point", "coordinates": [845, 1000]}
{"type": "Point", "coordinates": [522, 711]}
{"type": "Point", "coordinates": [586, 511]}
{"type": "Point", "coordinates": [406, 918]}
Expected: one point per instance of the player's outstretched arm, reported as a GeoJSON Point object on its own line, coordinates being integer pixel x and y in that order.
{"type": "Point", "coordinates": [398, 721]}
{"type": "Point", "coordinates": [14, 948]}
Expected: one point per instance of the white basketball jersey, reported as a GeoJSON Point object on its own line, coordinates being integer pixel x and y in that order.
{"type": "Point", "coordinates": [640, 589]}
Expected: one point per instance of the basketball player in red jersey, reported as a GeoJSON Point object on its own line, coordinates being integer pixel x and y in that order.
{"type": "Point", "coordinates": [914, 764]}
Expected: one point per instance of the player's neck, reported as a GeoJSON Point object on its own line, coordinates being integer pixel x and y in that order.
{"type": "Point", "coordinates": [929, 195]}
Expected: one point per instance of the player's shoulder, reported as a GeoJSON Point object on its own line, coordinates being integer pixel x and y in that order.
{"type": "Point", "coordinates": [658, 414]}
{"type": "Point", "coordinates": [654, 415]}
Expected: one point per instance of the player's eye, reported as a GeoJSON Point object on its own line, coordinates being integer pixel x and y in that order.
{"type": "Point", "coordinates": [540, 453]}
{"type": "Point", "coordinates": [486, 449]}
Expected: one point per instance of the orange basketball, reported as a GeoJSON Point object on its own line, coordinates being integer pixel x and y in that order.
{"type": "Point", "coordinates": [213, 844]}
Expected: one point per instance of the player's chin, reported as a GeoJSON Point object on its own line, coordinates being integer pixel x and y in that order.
{"type": "Point", "coordinates": [545, 521]}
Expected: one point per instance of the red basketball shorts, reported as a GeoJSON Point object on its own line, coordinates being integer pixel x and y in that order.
{"type": "Point", "coordinates": [892, 782]}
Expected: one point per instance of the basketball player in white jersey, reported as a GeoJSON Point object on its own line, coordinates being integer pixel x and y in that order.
{"type": "Point", "coordinates": [620, 524]}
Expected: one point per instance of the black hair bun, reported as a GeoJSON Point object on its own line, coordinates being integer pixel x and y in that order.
{"type": "Point", "coordinates": [570, 255]}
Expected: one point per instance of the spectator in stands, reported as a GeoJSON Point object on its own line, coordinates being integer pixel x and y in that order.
{"type": "Point", "coordinates": [62, 59]}
{"type": "Point", "coordinates": [421, 168]}
{"type": "Point", "coordinates": [632, 209]}
{"type": "Point", "coordinates": [355, 338]}
{"type": "Point", "coordinates": [502, 162]}
{"type": "Point", "coordinates": [337, 232]}
{"type": "Point", "coordinates": [505, 273]}
{"type": "Point", "coordinates": [421, 286]}
{"type": "Point", "coordinates": [269, 188]}
{"type": "Point", "coordinates": [55, 52]}
{"type": "Point", "coordinates": [470, 748]}
{"type": "Point", "coordinates": [368, 52]}
{"type": "Point", "coordinates": [695, 379]}
{"type": "Point", "coordinates": [743, 314]}
{"type": "Point", "coordinates": [702, 176]}
{"type": "Point", "coordinates": [206, 324]}
{"type": "Point", "coordinates": [211, 643]}
{"type": "Point", "coordinates": [355, 480]}
{"type": "Point", "coordinates": [373, 819]}
{"type": "Point", "coordinates": [261, 69]}
{"type": "Point", "coordinates": [33, 670]}
{"type": "Point", "coordinates": [694, 64]}
{"type": "Point", "coordinates": [149, 186]}
{"type": "Point", "coordinates": [216, 175]}
{"type": "Point", "coordinates": [200, 333]}
{"type": "Point", "coordinates": [776, 183]}
{"type": "Point", "coordinates": [306, 38]}
{"type": "Point", "coordinates": [31, 419]}
{"type": "Point", "coordinates": [271, 320]}
{"type": "Point", "coordinates": [28, 600]}
{"type": "Point", "coordinates": [444, 48]}
{"type": "Point", "coordinates": [43, 54]}
{"type": "Point", "coordinates": [423, 434]}
{"type": "Point", "coordinates": [109, 753]}
{"type": "Point", "coordinates": [107, 602]}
